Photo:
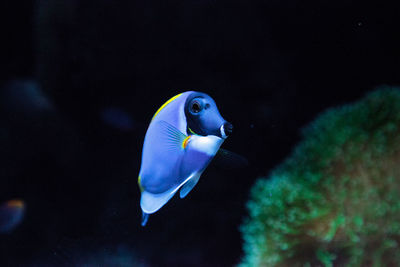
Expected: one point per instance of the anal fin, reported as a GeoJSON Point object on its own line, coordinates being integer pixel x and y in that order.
{"type": "Point", "coordinates": [188, 186]}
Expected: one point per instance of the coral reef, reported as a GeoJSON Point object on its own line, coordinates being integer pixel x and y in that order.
{"type": "Point", "coordinates": [336, 199]}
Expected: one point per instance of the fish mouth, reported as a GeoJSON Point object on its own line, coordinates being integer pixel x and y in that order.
{"type": "Point", "coordinates": [226, 129]}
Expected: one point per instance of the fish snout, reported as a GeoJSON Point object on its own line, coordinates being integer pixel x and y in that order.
{"type": "Point", "coordinates": [226, 129]}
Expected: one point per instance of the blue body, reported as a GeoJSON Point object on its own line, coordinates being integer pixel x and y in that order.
{"type": "Point", "coordinates": [173, 157]}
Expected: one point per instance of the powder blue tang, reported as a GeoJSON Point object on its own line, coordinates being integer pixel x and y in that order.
{"type": "Point", "coordinates": [183, 137]}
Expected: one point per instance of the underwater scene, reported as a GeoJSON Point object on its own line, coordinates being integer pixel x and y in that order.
{"type": "Point", "coordinates": [199, 133]}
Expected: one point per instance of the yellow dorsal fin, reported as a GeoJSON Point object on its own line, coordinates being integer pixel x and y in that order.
{"type": "Point", "coordinates": [163, 106]}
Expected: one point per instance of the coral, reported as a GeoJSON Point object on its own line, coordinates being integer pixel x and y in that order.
{"type": "Point", "coordinates": [336, 199]}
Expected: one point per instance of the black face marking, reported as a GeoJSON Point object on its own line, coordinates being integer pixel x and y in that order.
{"type": "Point", "coordinates": [202, 115]}
{"type": "Point", "coordinates": [193, 109]}
{"type": "Point", "coordinates": [195, 106]}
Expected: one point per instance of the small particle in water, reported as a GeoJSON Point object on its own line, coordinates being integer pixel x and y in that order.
{"type": "Point", "coordinates": [359, 23]}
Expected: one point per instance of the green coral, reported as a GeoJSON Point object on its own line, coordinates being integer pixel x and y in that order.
{"type": "Point", "coordinates": [336, 199]}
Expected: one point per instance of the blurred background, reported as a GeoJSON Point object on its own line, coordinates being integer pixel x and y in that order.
{"type": "Point", "coordinates": [81, 80]}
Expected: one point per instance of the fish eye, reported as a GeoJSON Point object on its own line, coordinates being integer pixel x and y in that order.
{"type": "Point", "coordinates": [196, 107]}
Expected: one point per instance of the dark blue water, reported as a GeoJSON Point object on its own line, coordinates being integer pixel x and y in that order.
{"type": "Point", "coordinates": [93, 74]}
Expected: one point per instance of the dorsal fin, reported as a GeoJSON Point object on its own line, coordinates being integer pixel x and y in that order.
{"type": "Point", "coordinates": [165, 104]}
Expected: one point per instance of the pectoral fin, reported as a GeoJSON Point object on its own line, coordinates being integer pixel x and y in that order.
{"type": "Point", "coordinates": [229, 160]}
{"type": "Point", "coordinates": [170, 137]}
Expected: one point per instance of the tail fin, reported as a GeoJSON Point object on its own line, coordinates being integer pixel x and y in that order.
{"type": "Point", "coordinates": [145, 218]}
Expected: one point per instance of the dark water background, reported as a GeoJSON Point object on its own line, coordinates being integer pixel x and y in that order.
{"type": "Point", "coordinates": [271, 67]}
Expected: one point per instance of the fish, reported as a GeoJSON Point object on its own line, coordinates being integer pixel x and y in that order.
{"type": "Point", "coordinates": [25, 96]}
{"type": "Point", "coordinates": [11, 215]}
{"type": "Point", "coordinates": [116, 117]}
{"type": "Point", "coordinates": [184, 135]}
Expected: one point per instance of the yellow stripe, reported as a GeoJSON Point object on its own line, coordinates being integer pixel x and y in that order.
{"type": "Point", "coordinates": [190, 130]}
{"type": "Point", "coordinates": [185, 142]}
{"type": "Point", "coordinates": [140, 185]}
{"type": "Point", "coordinates": [163, 106]}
